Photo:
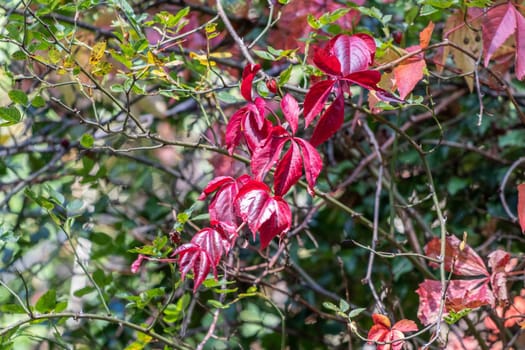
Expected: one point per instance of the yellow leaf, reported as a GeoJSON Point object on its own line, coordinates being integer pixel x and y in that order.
{"type": "Point", "coordinates": [97, 53]}
{"type": "Point", "coordinates": [154, 60]}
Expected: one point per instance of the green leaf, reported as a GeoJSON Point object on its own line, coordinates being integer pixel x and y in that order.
{"type": "Point", "coordinates": [12, 309]}
{"type": "Point", "coordinates": [84, 291]}
{"type": "Point", "coordinates": [11, 115]}
{"type": "Point", "coordinates": [18, 96]}
{"type": "Point", "coordinates": [343, 305]}
{"type": "Point", "coordinates": [454, 316]}
{"type": "Point", "coordinates": [175, 312]}
{"type": "Point", "coordinates": [87, 140]}
{"type": "Point", "coordinates": [285, 75]}
{"type": "Point", "coordinates": [264, 55]}
{"type": "Point", "coordinates": [47, 301]}
{"type": "Point", "coordinates": [217, 304]}
{"type": "Point", "coordinates": [356, 312]}
{"type": "Point", "coordinates": [330, 306]}
{"type": "Point", "coordinates": [100, 278]}
{"type": "Point", "coordinates": [38, 102]}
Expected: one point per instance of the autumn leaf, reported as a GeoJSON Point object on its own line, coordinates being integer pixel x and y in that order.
{"type": "Point", "coordinates": [97, 53]}
{"type": "Point", "coordinates": [202, 254]}
{"type": "Point", "coordinates": [382, 332]}
{"type": "Point", "coordinates": [500, 23]}
{"type": "Point", "coordinates": [459, 30]}
{"type": "Point", "coordinates": [301, 154]}
{"type": "Point", "coordinates": [269, 215]}
{"type": "Point", "coordinates": [248, 123]}
{"type": "Point", "coordinates": [221, 208]}
{"type": "Point", "coordinates": [463, 262]}
{"type": "Point", "coordinates": [410, 71]}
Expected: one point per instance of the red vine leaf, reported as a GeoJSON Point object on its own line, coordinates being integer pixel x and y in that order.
{"type": "Point", "coordinates": [301, 154]}
{"type": "Point", "coordinates": [202, 254]}
{"type": "Point", "coordinates": [268, 215]}
{"type": "Point", "coordinates": [382, 331]}
{"type": "Point", "coordinates": [249, 123]}
{"type": "Point", "coordinates": [463, 262]}
{"type": "Point", "coordinates": [248, 75]}
{"type": "Point", "coordinates": [290, 109]}
{"type": "Point", "coordinates": [221, 208]}
{"type": "Point", "coordinates": [330, 122]}
{"type": "Point", "coordinates": [460, 294]}
{"type": "Point", "coordinates": [501, 264]}
{"type": "Point", "coordinates": [315, 99]}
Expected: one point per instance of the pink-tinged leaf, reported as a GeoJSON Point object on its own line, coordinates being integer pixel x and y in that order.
{"type": "Point", "coordinates": [278, 223]}
{"type": "Point", "coordinates": [221, 208]}
{"type": "Point", "coordinates": [521, 206]}
{"type": "Point", "coordinates": [248, 122]}
{"type": "Point", "coordinates": [382, 332]}
{"type": "Point", "coordinates": [315, 99]}
{"type": "Point", "coordinates": [214, 185]}
{"type": "Point", "coordinates": [290, 109]}
{"type": "Point", "coordinates": [499, 23]}
{"type": "Point", "coordinates": [409, 73]}
{"type": "Point", "coordinates": [460, 294]}
{"type": "Point", "coordinates": [330, 122]}
{"type": "Point", "coordinates": [500, 263]}
{"type": "Point", "coordinates": [234, 130]}
{"type": "Point", "coordinates": [353, 53]}
{"type": "Point", "coordinates": [268, 153]}
{"type": "Point", "coordinates": [327, 62]}
{"type": "Point", "coordinates": [367, 79]}
{"type": "Point", "coordinates": [370, 42]}
{"type": "Point", "coordinates": [520, 46]}
{"type": "Point", "coordinates": [313, 163]}
{"type": "Point", "coordinates": [405, 326]}
{"type": "Point", "coordinates": [270, 216]}
{"type": "Point", "coordinates": [464, 262]}
{"type": "Point", "coordinates": [202, 254]}
{"type": "Point", "coordinates": [288, 171]}
{"type": "Point", "coordinates": [248, 75]}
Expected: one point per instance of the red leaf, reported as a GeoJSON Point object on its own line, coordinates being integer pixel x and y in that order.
{"type": "Point", "coordinates": [521, 206]}
{"type": "Point", "coordinates": [409, 73]}
{"type": "Point", "coordinates": [315, 99]}
{"type": "Point", "coordinates": [500, 263]}
{"type": "Point", "coordinates": [313, 164]}
{"type": "Point", "coordinates": [326, 61]}
{"type": "Point", "coordinates": [248, 122]}
{"type": "Point", "coordinates": [464, 262]}
{"type": "Point", "coordinates": [290, 109]}
{"type": "Point", "coordinates": [270, 216]}
{"type": "Point", "coordinates": [288, 171]}
{"type": "Point", "coordinates": [460, 294]}
{"type": "Point", "coordinates": [248, 75]}
{"type": "Point", "coordinates": [330, 122]}
{"type": "Point", "coordinates": [382, 331]}
{"type": "Point", "coordinates": [355, 53]}
{"type": "Point", "coordinates": [498, 25]}
{"type": "Point", "coordinates": [405, 326]}
{"type": "Point", "coordinates": [202, 254]}
{"type": "Point", "coordinates": [221, 208]}
{"type": "Point", "coordinates": [367, 79]}
{"type": "Point", "coordinates": [268, 153]}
